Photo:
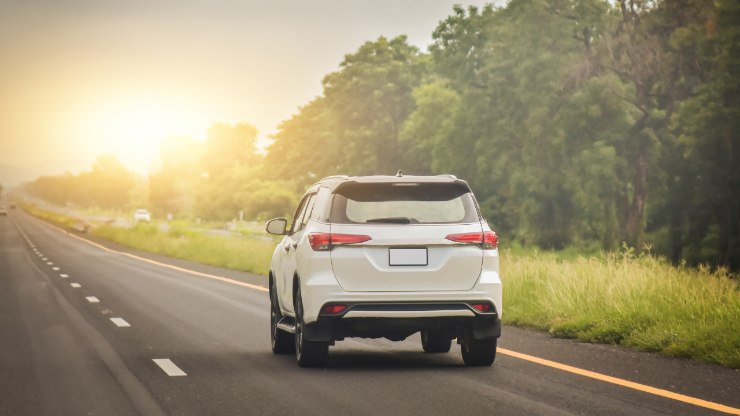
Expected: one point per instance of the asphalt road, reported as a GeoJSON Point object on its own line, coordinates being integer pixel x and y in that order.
{"type": "Point", "coordinates": [62, 351]}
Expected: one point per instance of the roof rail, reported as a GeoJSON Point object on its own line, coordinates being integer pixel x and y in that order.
{"type": "Point", "coordinates": [334, 177]}
{"type": "Point", "coordinates": [447, 175]}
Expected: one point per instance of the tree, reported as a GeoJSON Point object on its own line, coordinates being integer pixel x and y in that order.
{"type": "Point", "coordinates": [355, 126]}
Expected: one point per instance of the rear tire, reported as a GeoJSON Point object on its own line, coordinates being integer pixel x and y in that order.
{"type": "Point", "coordinates": [479, 352]}
{"type": "Point", "coordinates": [307, 353]}
{"type": "Point", "coordinates": [434, 342]}
{"type": "Point", "coordinates": [282, 342]}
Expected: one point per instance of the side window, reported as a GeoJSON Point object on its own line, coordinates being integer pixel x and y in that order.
{"type": "Point", "coordinates": [302, 213]}
{"type": "Point", "coordinates": [299, 212]}
{"type": "Point", "coordinates": [306, 213]}
{"type": "Point", "coordinates": [319, 210]}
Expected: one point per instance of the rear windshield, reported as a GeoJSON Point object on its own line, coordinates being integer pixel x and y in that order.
{"type": "Point", "coordinates": [403, 203]}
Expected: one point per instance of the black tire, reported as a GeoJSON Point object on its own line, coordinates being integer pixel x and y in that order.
{"type": "Point", "coordinates": [307, 353]}
{"type": "Point", "coordinates": [479, 352]}
{"type": "Point", "coordinates": [282, 342]}
{"type": "Point", "coordinates": [434, 342]}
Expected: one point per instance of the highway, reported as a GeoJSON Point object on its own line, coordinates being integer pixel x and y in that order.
{"type": "Point", "coordinates": [90, 328]}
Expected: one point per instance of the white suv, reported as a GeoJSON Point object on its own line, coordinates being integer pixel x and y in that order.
{"type": "Point", "coordinates": [385, 256]}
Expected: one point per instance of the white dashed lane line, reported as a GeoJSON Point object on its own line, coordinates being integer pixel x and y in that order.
{"type": "Point", "coordinates": [120, 322]}
{"type": "Point", "coordinates": [49, 263]}
{"type": "Point", "coordinates": [75, 285]}
{"type": "Point", "coordinates": [56, 269]}
{"type": "Point", "coordinates": [169, 367]}
{"type": "Point", "coordinates": [92, 299]}
{"type": "Point", "coordinates": [64, 276]}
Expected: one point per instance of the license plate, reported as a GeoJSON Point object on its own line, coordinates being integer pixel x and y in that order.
{"type": "Point", "coordinates": [408, 257]}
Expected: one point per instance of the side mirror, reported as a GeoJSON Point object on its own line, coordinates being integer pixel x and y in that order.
{"type": "Point", "coordinates": [277, 226]}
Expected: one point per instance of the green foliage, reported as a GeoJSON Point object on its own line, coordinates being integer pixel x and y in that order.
{"type": "Point", "coordinates": [355, 127]}
{"type": "Point", "coordinates": [248, 254]}
{"type": "Point", "coordinates": [575, 121]}
{"type": "Point", "coordinates": [641, 302]}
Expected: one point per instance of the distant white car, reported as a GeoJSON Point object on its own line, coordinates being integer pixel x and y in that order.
{"type": "Point", "coordinates": [142, 215]}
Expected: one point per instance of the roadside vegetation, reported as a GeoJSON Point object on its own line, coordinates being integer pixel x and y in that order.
{"type": "Point", "coordinates": [638, 301]}
{"type": "Point", "coordinates": [249, 252]}
{"type": "Point", "coordinates": [621, 298]}
{"type": "Point", "coordinates": [576, 123]}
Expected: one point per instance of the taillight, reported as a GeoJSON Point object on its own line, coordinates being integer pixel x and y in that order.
{"type": "Point", "coordinates": [320, 241]}
{"type": "Point", "coordinates": [325, 241]}
{"type": "Point", "coordinates": [487, 239]}
{"type": "Point", "coordinates": [490, 240]}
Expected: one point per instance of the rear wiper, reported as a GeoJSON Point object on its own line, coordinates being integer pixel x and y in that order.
{"type": "Point", "coordinates": [392, 220]}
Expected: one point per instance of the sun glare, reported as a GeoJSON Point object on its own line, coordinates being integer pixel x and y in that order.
{"type": "Point", "coordinates": [132, 130]}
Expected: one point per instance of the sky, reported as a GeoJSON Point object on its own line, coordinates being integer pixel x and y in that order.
{"type": "Point", "coordinates": [83, 78]}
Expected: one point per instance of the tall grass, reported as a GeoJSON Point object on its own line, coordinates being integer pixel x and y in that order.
{"type": "Point", "coordinates": [248, 254]}
{"type": "Point", "coordinates": [619, 298]}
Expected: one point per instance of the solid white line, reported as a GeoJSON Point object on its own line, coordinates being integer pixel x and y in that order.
{"type": "Point", "coordinates": [55, 268]}
{"type": "Point", "coordinates": [64, 276]}
{"type": "Point", "coordinates": [75, 285]}
{"type": "Point", "coordinates": [169, 367]}
{"type": "Point", "coordinates": [92, 299]}
{"type": "Point", "coordinates": [120, 322]}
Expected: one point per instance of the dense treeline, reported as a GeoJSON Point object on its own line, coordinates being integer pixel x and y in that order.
{"type": "Point", "coordinates": [575, 121]}
{"type": "Point", "coordinates": [216, 180]}
{"type": "Point", "coordinates": [108, 185]}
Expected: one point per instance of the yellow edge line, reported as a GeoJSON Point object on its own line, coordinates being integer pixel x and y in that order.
{"type": "Point", "coordinates": [623, 383]}
{"type": "Point", "coordinates": [552, 364]}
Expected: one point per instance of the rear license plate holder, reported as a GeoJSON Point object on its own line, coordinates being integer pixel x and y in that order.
{"type": "Point", "coordinates": [408, 257]}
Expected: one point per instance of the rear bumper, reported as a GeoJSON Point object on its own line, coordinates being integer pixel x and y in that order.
{"type": "Point", "coordinates": [320, 292]}
{"type": "Point", "coordinates": [337, 328]}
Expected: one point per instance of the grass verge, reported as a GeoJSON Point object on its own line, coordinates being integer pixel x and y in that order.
{"type": "Point", "coordinates": [247, 254]}
{"type": "Point", "coordinates": [619, 298]}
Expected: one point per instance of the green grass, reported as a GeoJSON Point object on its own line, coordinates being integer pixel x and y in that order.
{"type": "Point", "coordinates": [640, 302]}
{"type": "Point", "coordinates": [246, 254]}
{"type": "Point", "coordinates": [250, 253]}
{"type": "Point", "coordinates": [619, 298]}
{"type": "Point", "coordinates": [59, 219]}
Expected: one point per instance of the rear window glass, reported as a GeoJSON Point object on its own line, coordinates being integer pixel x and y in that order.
{"type": "Point", "coordinates": [403, 203]}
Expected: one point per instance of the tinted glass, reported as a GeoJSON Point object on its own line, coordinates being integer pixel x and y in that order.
{"type": "Point", "coordinates": [403, 203]}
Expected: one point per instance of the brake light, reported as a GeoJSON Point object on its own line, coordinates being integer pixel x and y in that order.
{"type": "Point", "coordinates": [487, 239]}
{"type": "Point", "coordinates": [325, 241]}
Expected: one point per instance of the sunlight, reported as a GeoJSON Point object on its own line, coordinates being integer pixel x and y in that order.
{"type": "Point", "coordinates": [133, 129]}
